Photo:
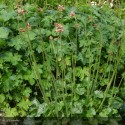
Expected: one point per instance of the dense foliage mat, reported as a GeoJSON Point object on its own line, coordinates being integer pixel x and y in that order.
{"type": "Point", "coordinates": [63, 62]}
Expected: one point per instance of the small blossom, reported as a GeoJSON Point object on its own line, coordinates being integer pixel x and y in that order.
{"type": "Point", "coordinates": [72, 14]}
{"type": "Point", "coordinates": [61, 8]}
{"type": "Point", "coordinates": [20, 11]}
{"type": "Point", "coordinates": [111, 5]}
{"type": "Point", "coordinates": [59, 27]}
{"type": "Point", "coordinates": [40, 9]}
{"type": "Point", "coordinates": [76, 25]}
{"type": "Point", "coordinates": [22, 30]}
{"type": "Point", "coordinates": [110, 2]}
{"type": "Point", "coordinates": [50, 38]}
{"type": "Point", "coordinates": [28, 26]}
{"type": "Point", "coordinates": [59, 30]}
{"type": "Point", "coordinates": [93, 3]}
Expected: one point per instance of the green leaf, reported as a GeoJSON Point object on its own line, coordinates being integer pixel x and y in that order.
{"type": "Point", "coordinates": [91, 112]}
{"type": "Point", "coordinates": [105, 112]}
{"type": "Point", "coordinates": [48, 32]}
{"type": "Point", "coordinates": [11, 112]}
{"type": "Point", "coordinates": [98, 94]}
{"type": "Point", "coordinates": [17, 43]}
{"type": "Point", "coordinates": [42, 108]}
{"type": "Point", "coordinates": [30, 77]}
{"type": "Point", "coordinates": [80, 90]}
{"type": "Point", "coordinates": [24, 104]}
{"type": "Point", "coordinates": [68, 61]}
{"type": "Point", "coordinates": [66, 31]}
{"type": "Point", "coordinates": [7, 15]}
{"type": "Point", "coordinates": [35, 102]}
{"type": "Point", "coordinates": [4, 32]}
{"type": "Point", "coordinates": [77, 108]}
{"type": "Point", "coordinates": [14, 59]}
{"type": "Point", "coordinates": [2, 43]}
{"type": "Point", "coordinates": [2, 98]}
{"type": "Point", "coordinates": [39, 49]}
{"type": "Point", "coordinates": [30, 35]}
{"type": "Point", "coordinates": [27, 92]}
{"type": "Point", "coordinates": [2, 6]}
{"type": "Point", "coordinates": [117, 102]}
{"type": "Point", "coordinates": [60, 106]}
{"type": "Point", "coordinates": [46, 21]}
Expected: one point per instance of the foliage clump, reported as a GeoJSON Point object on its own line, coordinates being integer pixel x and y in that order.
{"type": "Point", "coordinates": [64, 62]}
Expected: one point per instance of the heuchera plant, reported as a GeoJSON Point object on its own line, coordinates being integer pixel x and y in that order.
{"type": "Point", "coordinates": [63, 62]}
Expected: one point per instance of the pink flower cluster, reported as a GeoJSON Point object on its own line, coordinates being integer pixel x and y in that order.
{"type": "Point", "coordinates": [20, 11]}
{"type": "Point", "coordinates": [72, 14]}
{"type": "Point", "coordinates": [61, 8]}
{"type": "Point", "coordinates": [59, 28]}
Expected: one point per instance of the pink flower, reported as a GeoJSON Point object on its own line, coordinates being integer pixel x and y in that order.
{"type": "Point", "coordinates": [59, 30]}
{"type": "Point", "coordinates": [72, 14]}
{"type": "Point", "coordinates": [59, 27]}
{"type": "Point", "coordinates": [50, 38]}
{"type": "Point", "coordinates": [20, 11]}
{"type": "Point", "coordinates": [61, 8]}
{"type": "Point", "coordinates": [28, 26]}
